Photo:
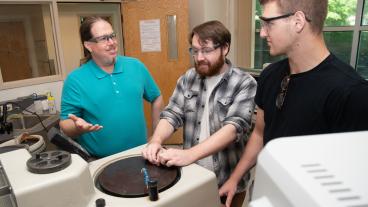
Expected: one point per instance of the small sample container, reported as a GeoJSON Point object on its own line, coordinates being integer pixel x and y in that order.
{"type": "Point", "coordinates": [152, 190]}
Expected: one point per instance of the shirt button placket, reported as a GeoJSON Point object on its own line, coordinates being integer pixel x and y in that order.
{"type": "Point", "coordinates": [114, 85]}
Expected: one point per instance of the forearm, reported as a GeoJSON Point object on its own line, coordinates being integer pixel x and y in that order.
{"type": "Point", "coordinates": [69, 128]}
{"type": "Point", "coordinates": [162, 132]}
{"type": "Point", "coordinates": [156, 108]}
{"type": "Point", "coordinates": [215, 143]}
{"type": "Point", "coordinates": [248, 159]}
{"type": "Point", "coordinates": [252, 149]}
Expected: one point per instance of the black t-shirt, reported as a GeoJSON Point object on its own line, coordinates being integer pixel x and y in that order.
{"type": "Point", "coordinates": [321, 100]}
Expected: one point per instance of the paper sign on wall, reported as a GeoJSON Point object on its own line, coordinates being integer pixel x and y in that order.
{"type": "Point", "coordinates": [150, 35]}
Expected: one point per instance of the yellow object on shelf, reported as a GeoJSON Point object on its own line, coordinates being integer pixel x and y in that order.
{"type": "Point", "coordinates": [51, 102]}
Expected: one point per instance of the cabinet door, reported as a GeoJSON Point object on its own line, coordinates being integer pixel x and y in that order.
{"type": "Point", "coordinates": [172, 59]}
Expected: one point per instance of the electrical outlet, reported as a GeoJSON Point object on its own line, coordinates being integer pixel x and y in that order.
{"type": "Point", "coordinates": [9, 107]}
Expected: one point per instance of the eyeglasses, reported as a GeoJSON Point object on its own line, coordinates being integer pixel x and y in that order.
{"type": "Point", "coordinates": [205, 51]}
{"type": "Point", "coordinates": [267, 22]}
{"type": "Point", "coordinates": [281, 96]}
{"type": "Point", "coordinates": [104, 38]}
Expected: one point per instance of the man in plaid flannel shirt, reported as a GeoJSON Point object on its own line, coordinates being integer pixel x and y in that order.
{"type": "Point", "coordinates": [214, 103]}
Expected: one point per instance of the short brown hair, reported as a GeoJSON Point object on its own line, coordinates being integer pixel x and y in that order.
{"type": "Point", "coordinates": [212, 30]}
{"type": "Point", "coordinates": [315, 10]}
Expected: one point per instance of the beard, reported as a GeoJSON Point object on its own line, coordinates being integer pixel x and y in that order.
{"type": "Point", "coordinates": [105, 56]}
{"type": "Point", "coordinates": [206, 68]}
{"type": "Point", "coordinates": [109, 61]}
{"type": "Point", "coordinates": [104, 60]}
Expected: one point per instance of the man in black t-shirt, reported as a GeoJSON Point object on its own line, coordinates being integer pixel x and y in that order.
{"type": "Point", "coordinates": [310, 92]}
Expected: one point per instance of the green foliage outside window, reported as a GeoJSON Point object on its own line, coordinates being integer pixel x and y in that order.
{"type": "Point", "coordinates": [257, 14]}
{"type": "Point", "coordinates": [341, 13]}
{"type": "Point", "coordinates": [365, 13]}
{"type": "Point", "coordinates": [339, 43]}
{"type": "Point", "coordinates": [362, 62]}
{"type": "Point", "coordinates": [262, 53]}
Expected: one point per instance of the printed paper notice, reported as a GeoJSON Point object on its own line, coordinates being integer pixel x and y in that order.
{"type": "Point", "coordinates": [150, 35]}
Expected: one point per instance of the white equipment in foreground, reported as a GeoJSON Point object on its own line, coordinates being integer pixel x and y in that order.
{"type": "Point", "coordinates": [74, 186]}
{"type": "Point", "coordinates": [329, 170]}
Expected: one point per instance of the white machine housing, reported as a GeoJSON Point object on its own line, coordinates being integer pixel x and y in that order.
{"type": "Point", "coordinates": [74, 185]}
{"type": "Point", "coordinates": [329, 170]}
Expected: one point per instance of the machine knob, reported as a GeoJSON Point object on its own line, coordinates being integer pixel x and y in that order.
{"type": "Point", "coordinates": [100, 202]}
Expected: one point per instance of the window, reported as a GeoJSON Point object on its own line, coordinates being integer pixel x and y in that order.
{"type": "Point", "coordinates": [38, 46]}
{"type": "Point", "coordinates": [70, 18]}
{"type": "Point", "coordinates": [365, 14]}
{"type": "Point", "coordinates": [338, 32]}
{"type": "Point", "coordinates": [345, 33]}
{"type": "Point", "coordinates": [27, 45]}
{"type": "Point", "coordinates": [261, 50]}
{"type": "Point", "coordinates": [339, 43]}
{"type": "Point", "coordinates": [362, 62]}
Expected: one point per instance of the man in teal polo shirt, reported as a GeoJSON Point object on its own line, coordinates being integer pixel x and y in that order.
{"type": "Point", "coordinates": [102, 100]}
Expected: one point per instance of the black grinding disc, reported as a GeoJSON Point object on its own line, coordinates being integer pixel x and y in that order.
{"type": "Point", "coordinates": [124, 178]}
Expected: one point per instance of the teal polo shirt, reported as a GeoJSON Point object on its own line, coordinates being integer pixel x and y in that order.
{"type": "Point", "coordinates": [114, 101]}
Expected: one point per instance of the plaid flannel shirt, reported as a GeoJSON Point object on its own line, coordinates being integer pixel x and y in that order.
{"type": "Point", "coordinates": [231, 102]}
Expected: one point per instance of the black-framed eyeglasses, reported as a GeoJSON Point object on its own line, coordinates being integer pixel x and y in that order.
{"type": "Point", "coordinates": [266, 21]}
{"type": "Point", "coordinates": [270, 19]}
{"type": "Point", "coordinates": [282, 94]}
{"type": "Point", "coordinates": [104, 38]}
{"type": "Point", "coordinates": [205, 50]}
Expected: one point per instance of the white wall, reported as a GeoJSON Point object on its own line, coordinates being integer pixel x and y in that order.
{"type": "Point", "coordinates": [54, 87]}
{"type": "Point", "coordinates": [201, 11]}
{"type": "Point", "coordinates": [236, 15]}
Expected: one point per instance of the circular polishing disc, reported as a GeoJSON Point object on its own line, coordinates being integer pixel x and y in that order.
{"type": "Point", "coordinates": [49, 162]}
{"type": "Point", "coordinates": [124, 178]}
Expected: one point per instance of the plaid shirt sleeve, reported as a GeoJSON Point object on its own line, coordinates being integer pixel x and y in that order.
{"type": "Point", "coordinates": [241, 103]}
{"type": "Point", "coordinates": [174, 111]}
